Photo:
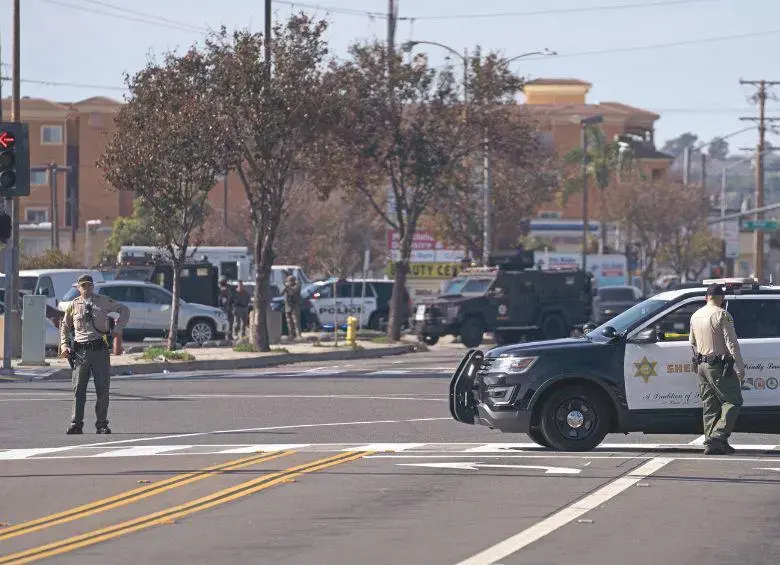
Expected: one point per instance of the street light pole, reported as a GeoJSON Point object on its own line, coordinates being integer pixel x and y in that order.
{"type": "Point", "coordinates": [487, 181]}
{"type": "Point", "coordinates": [584, 123]}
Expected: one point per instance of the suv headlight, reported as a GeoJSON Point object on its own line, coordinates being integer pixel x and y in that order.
{"type": "Point", "coordinates": [514, 365]}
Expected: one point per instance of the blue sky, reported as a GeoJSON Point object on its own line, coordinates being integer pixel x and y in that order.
{"type": "Point", "coordinates": [680, 58]}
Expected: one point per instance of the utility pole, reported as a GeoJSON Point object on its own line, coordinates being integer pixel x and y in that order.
{"type": "Point", "coordinates": [487, 204]}
{"type": "Point", "coordinates": [761, 96]}
{"type": "Point", "coordinates": [13, 317]}
{"type": "Point", "coordinates": [392, 20]}
{"type": "Point", "coordinates": [52, 169]}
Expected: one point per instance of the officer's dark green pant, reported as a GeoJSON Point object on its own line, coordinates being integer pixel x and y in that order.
{"type": "Point", "coordinates": [93, 362]}
{"type": "Point", "coordinates": [721, 395]}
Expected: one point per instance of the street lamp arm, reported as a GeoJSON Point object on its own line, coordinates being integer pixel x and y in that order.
{"type": "Point", "coordinates": [409, 45]}
{"type": "Point", "coordinates": [546, 52]}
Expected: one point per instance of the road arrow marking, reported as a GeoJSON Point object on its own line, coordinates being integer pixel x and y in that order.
{"type": "Point", "coordinates": [476, 465]}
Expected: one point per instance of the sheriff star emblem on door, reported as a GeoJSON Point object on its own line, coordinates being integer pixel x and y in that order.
{"type": "Point", "coordinates": [645, 369]}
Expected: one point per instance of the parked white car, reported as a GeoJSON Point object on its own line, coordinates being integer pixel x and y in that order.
{"type": "Point", "coordinates": [150, 311]}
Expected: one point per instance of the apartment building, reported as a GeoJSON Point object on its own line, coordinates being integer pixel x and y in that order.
{"type": "Point", "coordinates": [558, 106]}
{"type": "Point", "coordinates": [72, 135]}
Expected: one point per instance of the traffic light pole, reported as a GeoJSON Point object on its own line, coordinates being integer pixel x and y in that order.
{"type": "Point", "coordinates": [13, 318]}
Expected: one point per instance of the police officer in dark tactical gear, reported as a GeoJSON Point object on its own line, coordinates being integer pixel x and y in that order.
{"type": "Point", "coordinates": [721, 370]}
{"type": "Point", "coordinates": [88, 351]}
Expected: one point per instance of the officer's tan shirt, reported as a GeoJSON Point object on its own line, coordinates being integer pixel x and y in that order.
{"type": "Point", "coordinates": [84, 330]}
{"type": "Point", "coordinates": [712, 333]}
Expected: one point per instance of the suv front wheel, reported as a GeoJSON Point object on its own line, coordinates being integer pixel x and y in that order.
{"type": "Point", "coordinates": [201, 330]}
{"type": "Point", "coordinates": [574, 418]}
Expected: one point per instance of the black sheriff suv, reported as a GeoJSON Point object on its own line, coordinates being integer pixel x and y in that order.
{"type": "Point", "coordinates": [510, 298]}
{"type": "Point", "coordinates": [634, 373]}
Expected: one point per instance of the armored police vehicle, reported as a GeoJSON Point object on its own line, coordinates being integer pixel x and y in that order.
{"type": "Point", "coordinates": [509, 298]}
{"type": "Point", "coordinates": [635, 373]}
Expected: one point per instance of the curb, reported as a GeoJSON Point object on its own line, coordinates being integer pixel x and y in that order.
{"type": "Point", "coordinates": [245, 363]}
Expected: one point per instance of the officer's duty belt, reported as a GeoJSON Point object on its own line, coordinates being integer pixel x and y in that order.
{"type": "Point", "coordinates": [711, 358]}
{"type": "Point", "coordinates": [93, 345]}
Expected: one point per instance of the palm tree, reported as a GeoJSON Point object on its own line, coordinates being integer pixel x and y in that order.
{"type": "Point", "coordinates": [605, 162]}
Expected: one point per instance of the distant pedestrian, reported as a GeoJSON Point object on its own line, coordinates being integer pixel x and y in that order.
{"type": "Point", "coordinates": [720, 368]}
{"type": "Point", "coordinates": [241, 302]}
{"type": "Point", "coordinates": [226, 294]}
{"type": "Point", "coordinates": [292, 305]}
{"type": "Point", "coordinates": [89, 352]}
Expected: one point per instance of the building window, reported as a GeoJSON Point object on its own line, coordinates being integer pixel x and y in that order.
{"type": "Point", "coordinates": [51, 135]}
{"type": "Point", "coordinates": [39, 178]}
{"type": "Point", "coordinates": [549, 215]}
{"type": "Point", "coordinates": [36, 215]}
{"type": "Point", "coordinates": [657, 173]}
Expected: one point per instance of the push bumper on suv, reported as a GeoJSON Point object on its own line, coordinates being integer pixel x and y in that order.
{"type": "Point", "coordinates": [470, 399]}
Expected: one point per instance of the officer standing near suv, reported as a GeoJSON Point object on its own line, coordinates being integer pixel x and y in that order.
{"type": "Point", "coordinates": [721, 370]}
{"type": "Point", "coordinates": [89, 353]}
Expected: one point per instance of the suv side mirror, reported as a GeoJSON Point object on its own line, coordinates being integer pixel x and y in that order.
{"type": "Point", "coordinates": [609, 332]}
{"type": "Point", "coordinates": [649, 335]}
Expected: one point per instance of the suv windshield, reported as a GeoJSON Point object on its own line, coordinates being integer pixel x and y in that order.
{"type": "Point", "coordinates": [467, 285]}
{"type": "Point", "coordinates": [631, 317]}
{"type": "Point", "coordinates": [617, 294]}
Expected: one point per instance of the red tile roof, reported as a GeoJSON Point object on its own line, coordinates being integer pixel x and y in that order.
{"type": "Point", "coordinates": [558, 81]}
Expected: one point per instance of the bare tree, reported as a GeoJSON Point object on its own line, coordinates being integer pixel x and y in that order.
{"type": "Point", "coordinates": [402, 139]}
{"type": "Point", "coordinates": [168, 148]}
{"type": "Point", "coordinates": [276, 110]}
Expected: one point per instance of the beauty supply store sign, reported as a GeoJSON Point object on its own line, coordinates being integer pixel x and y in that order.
{"type": "Point", "coordinates": [425, 249]}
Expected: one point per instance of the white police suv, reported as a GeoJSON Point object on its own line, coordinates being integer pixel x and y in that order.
{"type": "Point", "coordinates": [634, 373]}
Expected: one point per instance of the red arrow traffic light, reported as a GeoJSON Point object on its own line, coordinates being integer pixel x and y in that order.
{"type": "Point", "coordinates": [6, 139]}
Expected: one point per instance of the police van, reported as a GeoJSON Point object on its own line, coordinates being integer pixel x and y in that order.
{"type": "Point", "coordinates": [368, 300]}
{"type": "Point", "coordinates": [634, 373]}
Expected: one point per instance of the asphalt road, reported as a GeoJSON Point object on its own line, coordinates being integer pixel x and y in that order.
{"type": "Point", "coordinates": [357, 462]}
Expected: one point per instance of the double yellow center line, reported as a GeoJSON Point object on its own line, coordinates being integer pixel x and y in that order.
{"type": "Point", "coordinates": [131, 496]}
{"type": "Point", "coordinates": [171, 514]}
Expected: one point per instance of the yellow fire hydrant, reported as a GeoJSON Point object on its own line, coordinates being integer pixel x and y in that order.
{"type": "Point", "coordinates": [352, 324]}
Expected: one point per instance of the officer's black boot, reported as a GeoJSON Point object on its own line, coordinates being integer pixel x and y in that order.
{"type": "Point", "coordinates": [74, 429]}
{"type": "Point", "coordinates": [717, 446]}
{"type": "Point", "coordinates": [104, 430]}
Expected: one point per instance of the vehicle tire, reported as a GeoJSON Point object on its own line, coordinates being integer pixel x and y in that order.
{"type": "Point", "coordinates": [429, 339]}
{"type": "Point", "coordinates": [574, 418]}
{"type": "Point", "coordinates": [201, 330]}
{"type": "Point", "coordinates": [538, 437]}
{"type": "Point", "coordinates": [471, 332]}
{"type": "Point", "coordinates": [553, 327]}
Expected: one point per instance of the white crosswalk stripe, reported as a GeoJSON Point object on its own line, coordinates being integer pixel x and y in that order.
{"type": "Point", "coordinates": [465, 449]}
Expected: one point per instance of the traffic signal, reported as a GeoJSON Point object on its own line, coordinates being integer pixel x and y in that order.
{"type": "Point", "coordinates": [14, 159]}
{"type": "Point", "coordinates": [5, 227]}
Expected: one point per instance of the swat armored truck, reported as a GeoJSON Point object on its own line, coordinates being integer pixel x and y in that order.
{"type": "Point", "coordinates": [512, 299]}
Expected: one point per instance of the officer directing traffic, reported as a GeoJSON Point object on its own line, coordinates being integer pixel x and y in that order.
{"type": "Point", "coordinates": [89, 353]}
{"type": "Point", "coordinates": [720, 368]}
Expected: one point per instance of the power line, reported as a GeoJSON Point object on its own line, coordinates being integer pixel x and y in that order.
{"type": "Point", "coordinates": [137, 13]}
{"type": "Point", "coordinates": [559, 11]}
{"type": "Point", "coordinates": [562, 11]}
{"type": "Point", "coordinates": [150, 20]}
{"type": "Point", "coordinates": [654, 46]}
{"type": "Point", "coordinates": [68, 84]}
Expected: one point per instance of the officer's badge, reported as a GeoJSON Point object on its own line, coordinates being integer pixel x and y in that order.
{"type": "Point", "coordinates": [645, 369]}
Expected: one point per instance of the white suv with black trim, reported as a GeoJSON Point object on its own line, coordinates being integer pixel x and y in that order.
{"type": "Point", "coordinates": [634, 373]}
{"type": "Point", "coordinates": [150, 312]}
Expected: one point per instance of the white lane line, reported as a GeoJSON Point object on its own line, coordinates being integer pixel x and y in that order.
{"type": "Point", "coordinates": [698, 441]}
{"type": "Point", "coordinates": [385, 447]}
{"type": "Point", "coordinates": [265, 429]}
{"type": "Point", "coordinates": [329, 396]}
{"type": "Point", "coordinates": [27, 453]}
{"type": "Point", "coordinates": [536, 532]}
{"type": "Point", "coordinates": [141, 450]}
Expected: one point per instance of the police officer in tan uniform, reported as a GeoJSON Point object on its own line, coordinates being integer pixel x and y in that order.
{"type": "Point", "coordinates": [89, 353]}
{"type": "Point", "coordinates": [720, 368]}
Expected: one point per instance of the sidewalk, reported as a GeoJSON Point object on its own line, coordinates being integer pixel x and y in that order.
{"type": "Point", "coordinates": [149, 359]}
